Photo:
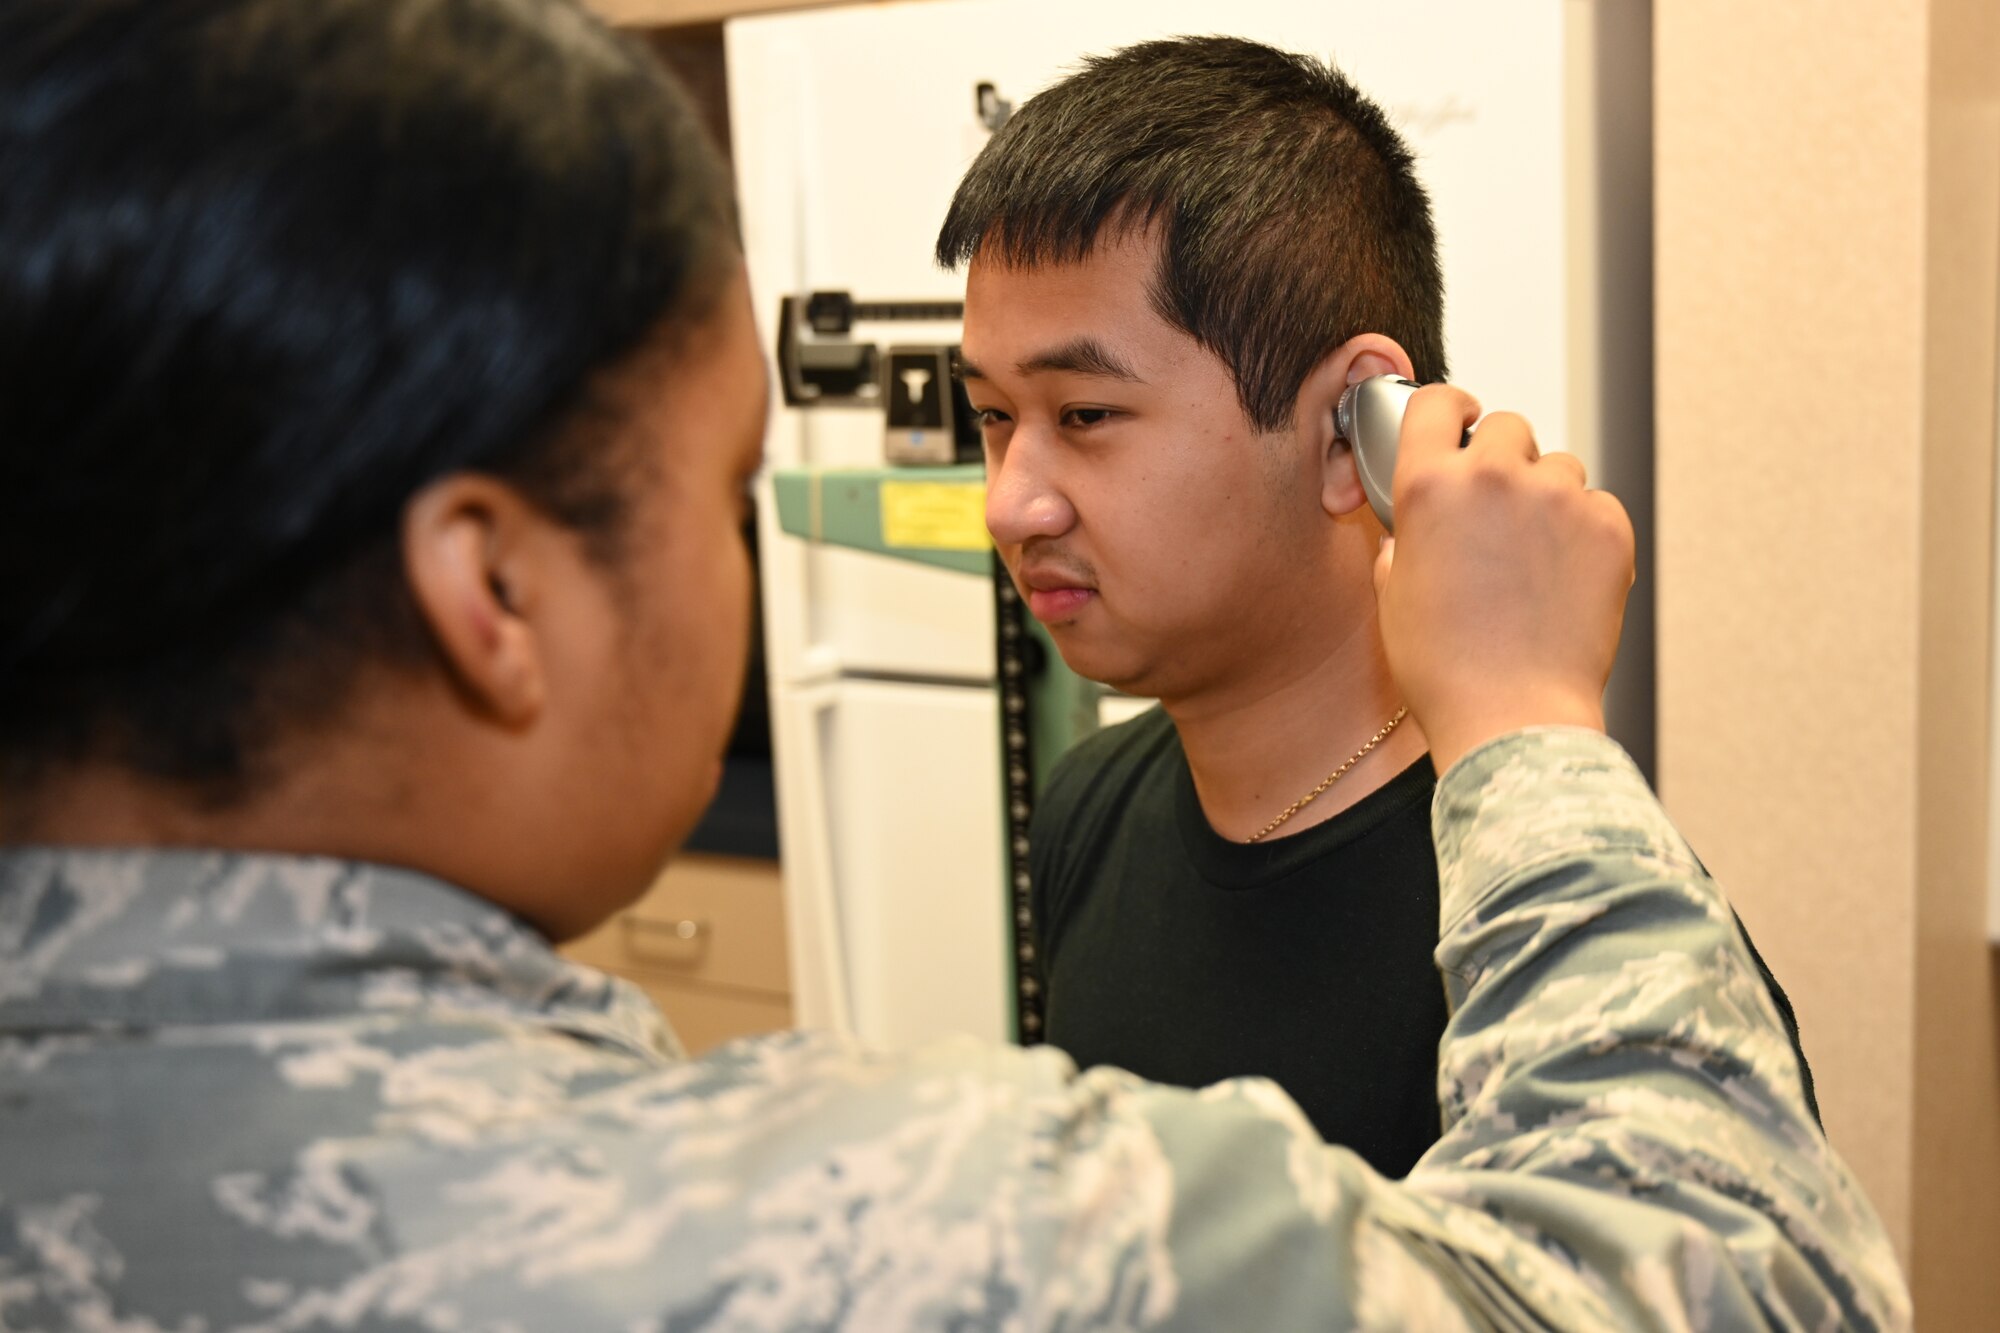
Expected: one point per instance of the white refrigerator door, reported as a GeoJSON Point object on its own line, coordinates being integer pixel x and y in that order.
{"type": "Point", "coordinates": [894, 897]}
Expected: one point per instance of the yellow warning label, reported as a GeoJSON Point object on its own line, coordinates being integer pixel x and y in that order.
{"type": "Point", "coordinates": [933, 515]}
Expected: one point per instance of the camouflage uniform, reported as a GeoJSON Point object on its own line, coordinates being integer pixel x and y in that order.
{"type": "Point", "coordinates": [277, 1093]}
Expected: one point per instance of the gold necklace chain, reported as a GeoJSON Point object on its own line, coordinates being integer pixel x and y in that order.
{"type": "Point", "coordinates": [1331, 778]}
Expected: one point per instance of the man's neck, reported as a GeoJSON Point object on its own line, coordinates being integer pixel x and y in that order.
{"type": "Point", "coordinates": [1258, 743]}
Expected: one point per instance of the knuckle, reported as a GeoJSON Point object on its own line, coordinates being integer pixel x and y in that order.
{"type": "Point", "coordinates": [1569, 463]}
{"type": "Point", "coordinates": [1614, 528]}
{"type": "Point", "coordinates": [1423, 487]}
{"type": "Point", "coordinates": [1418, 483]}
{"type": "Point", "coordinates": [1490, 473]}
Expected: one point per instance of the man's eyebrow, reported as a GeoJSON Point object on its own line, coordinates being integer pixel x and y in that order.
{"type": "Point", "coordinates": [1081, 356]}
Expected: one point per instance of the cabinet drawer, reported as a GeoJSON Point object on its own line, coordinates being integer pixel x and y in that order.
{"type": "Point", "coordinates": [703, 1019]}
{"type": "Point", "coordinates": [713, 919]}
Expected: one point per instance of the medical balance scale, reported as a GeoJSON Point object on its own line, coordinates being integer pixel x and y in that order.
{"type": "Point", "coordinates": [926, 505]}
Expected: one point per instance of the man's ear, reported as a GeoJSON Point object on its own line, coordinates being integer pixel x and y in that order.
{"type": "Point", "coordinates": [1359, 358]}
{"type": "Point", "coordinates": [470, 555]}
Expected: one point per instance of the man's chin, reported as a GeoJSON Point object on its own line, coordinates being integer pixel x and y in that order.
{"type": "Point", "coordinates": [1099, 663]}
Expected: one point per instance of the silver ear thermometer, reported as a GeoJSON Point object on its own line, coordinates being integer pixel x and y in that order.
{"type": "Point", "coordinates": [1369, 417]}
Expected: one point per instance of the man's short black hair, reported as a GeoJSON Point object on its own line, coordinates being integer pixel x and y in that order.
{"type": "Point", "coordinates": [267, 267]}
{"type": "Point", "coordinates": [1289, 212]}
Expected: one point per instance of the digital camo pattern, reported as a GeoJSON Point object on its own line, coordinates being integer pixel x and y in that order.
{"type": "Point", "coordinates": [247, 1092]}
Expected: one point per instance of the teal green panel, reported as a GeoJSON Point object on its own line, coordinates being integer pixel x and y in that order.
{"type": "Point", "coordinates": [843, 507]}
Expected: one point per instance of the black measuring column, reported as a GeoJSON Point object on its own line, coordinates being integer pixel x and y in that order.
{"type": "Point", "coordinates": [1018, 665]}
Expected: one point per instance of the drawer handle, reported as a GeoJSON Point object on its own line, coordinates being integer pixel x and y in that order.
{"type": "Point", "coordinates": [644, 935]}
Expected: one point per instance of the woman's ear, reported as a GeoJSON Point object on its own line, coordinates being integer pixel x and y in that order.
{"type": "Point", "coordinates": [469, 554]}
{"type": "Point", "coordinates": [1359, 358]}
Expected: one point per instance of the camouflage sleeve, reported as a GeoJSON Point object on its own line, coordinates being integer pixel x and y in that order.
{"type": "Point", "coordinates": [1626, 1140]}
{"type": "Point", "coordinates": [1627, 1143]}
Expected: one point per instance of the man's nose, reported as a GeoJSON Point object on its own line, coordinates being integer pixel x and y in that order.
{"type": "Point", "coordinates": [1022, 498]}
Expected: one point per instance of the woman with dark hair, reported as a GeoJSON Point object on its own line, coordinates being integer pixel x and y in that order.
{"type": "Point", "coordinates": [378, 390]}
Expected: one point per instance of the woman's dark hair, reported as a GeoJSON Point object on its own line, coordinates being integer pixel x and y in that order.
{"type": "Point", "coordinates": [1290, 212]}
{"type": "Point", "coordinates": [268, 267]}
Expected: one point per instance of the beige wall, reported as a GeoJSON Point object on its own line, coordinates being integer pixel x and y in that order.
{"type": "Point", "coordinates": [1955, 1237]}
{"type": "Point", "coordinates": [1828, 225]}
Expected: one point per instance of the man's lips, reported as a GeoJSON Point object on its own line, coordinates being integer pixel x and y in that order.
{"type": "Point", "coordinates": [1055, 595]}
{"type": "Point", "coordinates": [1053, 605]}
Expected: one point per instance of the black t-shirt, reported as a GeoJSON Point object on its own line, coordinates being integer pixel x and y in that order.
{"type": "Point", "coordinates": [1173, 952]}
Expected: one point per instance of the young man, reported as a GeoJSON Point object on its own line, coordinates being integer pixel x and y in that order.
{"type": "Point", "coordinates": [377, 390]}
{"type": "Point", "coordinates": [1178, 258]}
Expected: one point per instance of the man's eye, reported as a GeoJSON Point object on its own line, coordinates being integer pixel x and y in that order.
{"type": "Point", "coordinates": [1086, 417]}
{"type": "Point", "coordinates": [988, 416]}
